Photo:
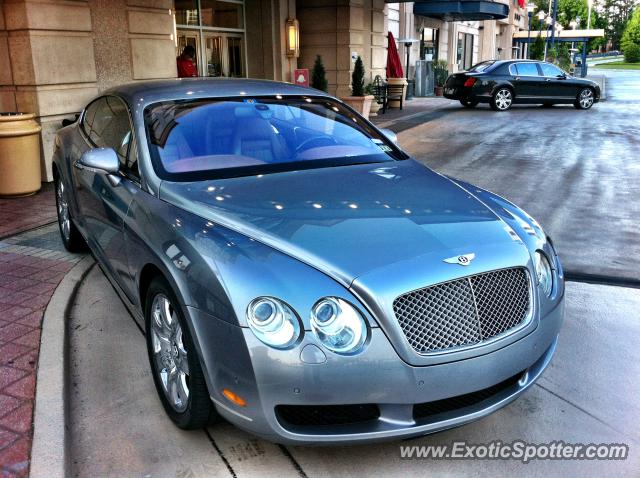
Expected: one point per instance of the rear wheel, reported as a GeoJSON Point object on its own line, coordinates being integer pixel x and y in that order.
{"type": "Point", "coordinates": [71, 237]}
{"type": "Point", "coordinates": [174, 362]}
{"type": "Point", "coordinates": [502, 99]}
{"type": "Point", "coordinates": [585, 99]}
{"type": "Point", "coordinates": [469, 103]}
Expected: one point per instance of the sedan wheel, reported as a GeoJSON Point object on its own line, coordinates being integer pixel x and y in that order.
{"type": "Point", "coordinates": [176, 369]}
{"type": "Point", "coordinates": [71, 237]}
{"type": "Point", "coordinates": [585, 99]}
{"type": "Point", "coordinates": [502, 99]}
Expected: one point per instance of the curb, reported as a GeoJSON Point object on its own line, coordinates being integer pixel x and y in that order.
{"type": "Point", "coordinates": [49, 456]}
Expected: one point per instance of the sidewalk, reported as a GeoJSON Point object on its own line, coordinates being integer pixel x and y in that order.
{"type": "Point", "coordinates": [32, 263]}
{"type": "Point", "coordinates": [410, 109]}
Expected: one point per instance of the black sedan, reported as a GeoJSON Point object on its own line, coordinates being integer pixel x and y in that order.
{"type": "Point", "coordinates": [506, 82]}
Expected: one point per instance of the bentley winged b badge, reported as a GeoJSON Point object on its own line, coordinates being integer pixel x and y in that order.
{"type": "Point", "coordinates": [463, 260]}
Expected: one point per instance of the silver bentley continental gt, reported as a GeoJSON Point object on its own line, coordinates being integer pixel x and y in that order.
{"type": "Point", "coordinates": [295, 271]}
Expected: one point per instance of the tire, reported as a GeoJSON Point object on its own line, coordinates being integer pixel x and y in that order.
{"type": "Point", "coordinates": [469, 103]}
{"type": "Point", "coordinates": [69, 233]}
{"type": "Point", "coordinates": [502, 99]}
{"type": "Point", "coordinates": [185, 397]}
{"type": "Point", "coordinates": [585, 99]}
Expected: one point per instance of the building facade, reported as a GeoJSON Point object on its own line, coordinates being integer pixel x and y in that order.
{"type": "Point", "coordinates": [55, 55]}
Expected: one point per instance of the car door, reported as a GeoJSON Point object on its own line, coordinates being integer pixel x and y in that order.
{"type": "Point", "coordinates": [557, 85]}
{"type": "Point", "coordinates": [103, 203]}
{"type": "Point", "coordinates": [526, 81]}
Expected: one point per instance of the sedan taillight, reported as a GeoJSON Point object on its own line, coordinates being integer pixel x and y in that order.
{"type": "Point", "coordinates": [470, 82]}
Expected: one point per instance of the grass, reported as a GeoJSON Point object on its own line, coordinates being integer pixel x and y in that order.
{"type": "Point", "coordinates": [617, 65]}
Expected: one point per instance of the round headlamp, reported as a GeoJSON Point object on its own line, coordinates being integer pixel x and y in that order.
{"type": "Point", "coordinates": [338, 325]}
{"type": "Point", "coordinates": [273, 322]}
{"type": "Point", "coordinates": [544, 273]}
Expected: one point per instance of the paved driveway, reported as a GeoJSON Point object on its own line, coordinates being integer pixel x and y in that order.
{"type": "Point", "coordinates": [577, 172]}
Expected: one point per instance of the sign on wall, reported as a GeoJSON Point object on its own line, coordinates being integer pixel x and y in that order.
{"type": "Point", "coordinates": [301, 76]}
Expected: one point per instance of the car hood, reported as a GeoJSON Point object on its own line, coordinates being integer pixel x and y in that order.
{"type": "Point", "coordinates": [352, 220]}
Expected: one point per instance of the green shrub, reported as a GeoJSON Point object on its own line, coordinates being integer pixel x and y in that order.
{"type": "Point", "coordinates": [537, 49]}
{"type": "Point", "coordinates": [441, 72]}
{"type": "Point", "coordinates": [357, 78]}
{"type": "Point", "coordinates": [319, 75]}
{"type": "Point", "coordinates": [632, 53]}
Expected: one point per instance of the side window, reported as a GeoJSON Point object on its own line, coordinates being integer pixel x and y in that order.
{"type": "Point", "coordinates": [90, 112]}
{"type": "Point", "coordinates": [110, 128]}
{"type": "Point", "coordinates": [550, 70]}
{"type": "Point", "coordinates": [527, 69]}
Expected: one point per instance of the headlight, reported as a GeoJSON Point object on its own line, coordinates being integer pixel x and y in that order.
{"type": "Point", "coordinates": [544, 273]}
{"type": "Point", "coordinates": [273, 322]}
{"type": "Point", "coordinates": [338, 325]}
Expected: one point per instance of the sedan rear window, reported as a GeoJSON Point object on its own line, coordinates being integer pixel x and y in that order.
{"type": "Point", "coordinates": [212, 138]}
{"type": "Point", "coordinates": [480, 67]}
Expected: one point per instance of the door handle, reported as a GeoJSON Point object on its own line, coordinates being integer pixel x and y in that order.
{"type": "Point", "coordinates": [517, 78]}
{"type": "Point", "coordinates": [548, 79]}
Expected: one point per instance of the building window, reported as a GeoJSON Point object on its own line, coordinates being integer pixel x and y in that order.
{"type": "Point", "coordinates": [464, 51]}
{"type": "Point", "coordinates": [215, 28]}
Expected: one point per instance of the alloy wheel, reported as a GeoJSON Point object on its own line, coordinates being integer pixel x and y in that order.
{"type": "Point", "coordinates": [63, 210]}
{"type": "Point", "coordinates": [169, 353]}
{"type": "Point", "coordinates": [503, 99]}
{"type": "Point", "coordinates": [586, 98]}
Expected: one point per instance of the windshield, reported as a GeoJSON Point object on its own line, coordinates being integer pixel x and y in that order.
{"type": "Point", "coordinates": [207, 139]}
{"type": "Point", "coordinates": [480, 67]}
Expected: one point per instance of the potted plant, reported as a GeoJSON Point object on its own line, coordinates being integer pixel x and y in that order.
{"type": "Point", "coordinates": [319, 75]}
{"type": "Point", "coordinates": [441, 74]}
{"type": "Point", "coordinates": [358, 100]}
{"type": "Point", "coordinates": [375, 106]}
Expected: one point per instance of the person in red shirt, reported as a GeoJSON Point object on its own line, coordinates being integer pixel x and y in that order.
{"type": "Point", "coordinates": [186, 66]}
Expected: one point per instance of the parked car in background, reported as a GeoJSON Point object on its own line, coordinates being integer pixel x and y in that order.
{"type": "Point", "coordinates": [503, 83]}
{"type": "Point", "coordinates": [295, 271]}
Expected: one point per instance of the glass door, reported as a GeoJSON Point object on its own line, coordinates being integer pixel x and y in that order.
{"type": "Point", "coordinates": [223, 55]}
{"type": "Point", "coordinates": [186, 37]}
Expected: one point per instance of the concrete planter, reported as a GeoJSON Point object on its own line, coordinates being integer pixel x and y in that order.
{"type": "Point", "coordinates": [362, 104]}
{"type": "Point", "coordinates": [19, 154]}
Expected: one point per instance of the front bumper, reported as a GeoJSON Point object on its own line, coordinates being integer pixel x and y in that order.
{"type": "Point", "coordinates": [266, 378]}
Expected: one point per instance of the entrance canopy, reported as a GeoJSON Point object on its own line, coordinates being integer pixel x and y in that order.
{"type": "Point", "coordinates": [563, 36]}
{"type": "Point", "coordinates": [461, 10]}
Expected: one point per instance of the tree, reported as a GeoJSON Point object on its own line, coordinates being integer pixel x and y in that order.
{"type": "Point", "coordinates": [357, 78]}
{"type": "Point", "coordinates": [632, 53]}
{"type": "Point", "coordinates": [616, 14]}
{"type": "Point", "coordinates": [319, 75]}
{"type": "Point", "coordinates": [537, 49]}
{"type": "Point", "coordinates": [631, 35]}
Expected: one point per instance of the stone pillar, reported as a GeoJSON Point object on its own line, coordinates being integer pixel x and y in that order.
{"type": "Point", "coordinates": [266, 41]}
{"type": "Point", "coordinates": [52, 62]}
{"type": "Point", "coordinates": [61, 53]}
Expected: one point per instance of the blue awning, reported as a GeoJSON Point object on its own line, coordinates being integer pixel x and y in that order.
{"type": "Point", "coordinates": [469, 10]}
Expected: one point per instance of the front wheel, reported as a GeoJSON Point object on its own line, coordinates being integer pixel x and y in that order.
{"type": "Point", "coordinates": [469, 103]}
{"type": "Point", "coordinates": [174, 362]}
{"type": "Point", "coordinates": [71, 237]}
{"type": "Point", "coordinates": [585, 99]}
{"type": "Point", "coordinates": [502, 99]}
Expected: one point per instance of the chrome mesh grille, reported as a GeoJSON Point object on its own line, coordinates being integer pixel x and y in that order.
{"type": "Point", "coordinates": [464, 312]}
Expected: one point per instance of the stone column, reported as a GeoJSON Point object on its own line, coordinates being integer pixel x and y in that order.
{"type": "Point", "coordinates": [52, 62]}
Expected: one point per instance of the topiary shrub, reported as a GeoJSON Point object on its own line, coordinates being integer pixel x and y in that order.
{"type": "Point", "coordinates": [319, 76]}
{"type": "Point", "coordinates": [357, 78]}
{"type": "Point", "coordinates": [632, 53]}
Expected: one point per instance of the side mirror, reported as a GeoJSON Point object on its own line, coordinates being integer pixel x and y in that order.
{"type": "Point", "coordinates": [562, 76]}
{"type": "Point", "coordinates": [390, 135]}
{"type": "Point", "coordinates": [103, 160]}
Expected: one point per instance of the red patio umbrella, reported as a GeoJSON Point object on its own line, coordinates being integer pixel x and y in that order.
{"type": "Point", "coordinates": [394, 66]}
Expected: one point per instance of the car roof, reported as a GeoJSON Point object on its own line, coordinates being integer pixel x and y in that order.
{"type": "Point", "coordinates": [147, 92]}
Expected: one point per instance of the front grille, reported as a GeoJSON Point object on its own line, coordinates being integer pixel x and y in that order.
{"type": "Point", "coordinates": [465, 311]}
{"type": "Point", "coordinates": [317, 415]}
{"type": "Point", "coordinates": [430, 409]}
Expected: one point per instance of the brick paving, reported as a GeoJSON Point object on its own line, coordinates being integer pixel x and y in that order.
{"type": "Point", "coordinates": [32, 263]}
{"type": "Point", "coordinates": [20, 214]}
